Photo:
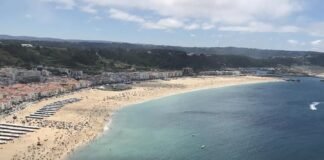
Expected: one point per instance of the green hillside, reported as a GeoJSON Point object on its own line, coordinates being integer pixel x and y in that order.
{"type": "Point", "coordinates": [93, 57]}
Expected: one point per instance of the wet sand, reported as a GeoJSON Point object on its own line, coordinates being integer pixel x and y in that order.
{"type": "Point", "coordinates": [79, 123]}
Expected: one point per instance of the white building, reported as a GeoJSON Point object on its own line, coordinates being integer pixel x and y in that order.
{"type": "Point", "coordinates": [27, 45]}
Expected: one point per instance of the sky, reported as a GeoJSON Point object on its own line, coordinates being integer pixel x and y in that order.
{"type": "Point", "coordinates": [265, 24]}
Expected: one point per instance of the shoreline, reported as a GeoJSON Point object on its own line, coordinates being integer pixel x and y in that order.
{"type": "Point", "coordinates": [109, 122]}
{"type": "Point", "coordinates": [195, 90]}
{"type": "Point", "coordinates": [96, 109]}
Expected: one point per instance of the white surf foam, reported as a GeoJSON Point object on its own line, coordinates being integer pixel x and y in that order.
{"type": "Point", "coordinates": [313, 105]}
{"type": "Point", "coordinates": [107, 126]}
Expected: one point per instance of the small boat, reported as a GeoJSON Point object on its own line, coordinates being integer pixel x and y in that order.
{"type": "Point", "coordinates": [322, 80]}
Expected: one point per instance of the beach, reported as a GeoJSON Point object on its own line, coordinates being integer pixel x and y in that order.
{"type": "Point", "coordinates": [79, 123]}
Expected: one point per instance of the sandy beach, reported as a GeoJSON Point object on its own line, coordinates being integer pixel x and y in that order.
{"type": "Point", "coordinates": [79, 123]}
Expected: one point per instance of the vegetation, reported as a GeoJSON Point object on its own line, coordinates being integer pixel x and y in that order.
{"type": "Point", "coordinates": [94, 57]}
{"type": "Point", "coordinates": [317, 60]}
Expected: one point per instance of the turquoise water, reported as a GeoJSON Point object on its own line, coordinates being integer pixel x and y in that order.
{"type": "Point", "coordinates": [271, 121]}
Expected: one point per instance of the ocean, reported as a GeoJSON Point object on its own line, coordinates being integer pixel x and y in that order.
{"type": "Point", "coordinates": [268, 121]}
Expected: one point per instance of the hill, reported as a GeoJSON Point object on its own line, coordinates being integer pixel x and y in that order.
{"type": "Point", "coordinates": [96, 56]}
{"type": "Point", "coordinates": [250, 52]}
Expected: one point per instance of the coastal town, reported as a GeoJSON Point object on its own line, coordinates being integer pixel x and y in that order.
{"type": "Point", "coordinates": [72, 108]}
{"type": "Point", "coordinates": [161, 80]}
{"type": "Point", "coordinates": [19, 86]}
{"type": "Point", "coordinates": [48, 112]}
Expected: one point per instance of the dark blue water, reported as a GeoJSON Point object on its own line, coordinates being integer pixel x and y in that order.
{"type": "Point", "coordinates": [271, 121]}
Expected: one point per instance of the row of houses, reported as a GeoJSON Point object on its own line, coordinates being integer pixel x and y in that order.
{"type": "Point", "coordinates": [243, 71]}
{"type": "Point", "coordinates": [13, 95]}
{"type": "Point", "coordinates": [9, 76]}
{"type": "Point", "coordinates": [220, 73]}
{"type": "Point", "coordinates": [258, 71]}
{"type": "Point", "coordinates": [122, 77]}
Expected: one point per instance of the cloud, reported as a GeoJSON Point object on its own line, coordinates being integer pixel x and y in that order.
{"type": "Point", "coordinates": [169, 23]}
{"type": "Point", "coordinates": [207, 26]}
{"type": "Point", "coordinates": [224, 11]}
{"type": "Point", "coordinates": [252, 27]}
{"type": "Point", "coordinates": [238, 15]}
{"type": "Point", "coordinates": [88, 9]}
{"type": "Point", "coordinates": [289, 29]}
{"type": "Point", "coordinates": [293, 42]}
{"type": "Point", "coordinates": [62, 4]}
{"type": "Point", "coordinates": [296, 43]}
{"type": "Point", "coordinates": [317, 45]}
{"type": "Point", "coordinates": [316, 29]}
{"type": "Point", "coordinates": [192, 26]}
{"type": "Point", "coordinates": [173, 23]}
{"type": "Point", "coordinates": [163, 24]}
{"type": "Point", "coordinates": [260, 27]}
{"type": "Point", "coordinates": [124, 16]}
{"type": "Point", "coordinates": [316, 42]}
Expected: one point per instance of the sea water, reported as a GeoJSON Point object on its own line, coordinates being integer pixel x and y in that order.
{"type": "Point", "coordinates": [270, 121]}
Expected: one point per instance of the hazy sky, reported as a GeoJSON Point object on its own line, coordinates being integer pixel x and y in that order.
{"type": "Point", "coordinates": [272, 24]}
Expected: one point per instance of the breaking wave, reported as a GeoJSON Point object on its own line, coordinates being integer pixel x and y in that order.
{"type": "Point", "coordinates": [313, 105]}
